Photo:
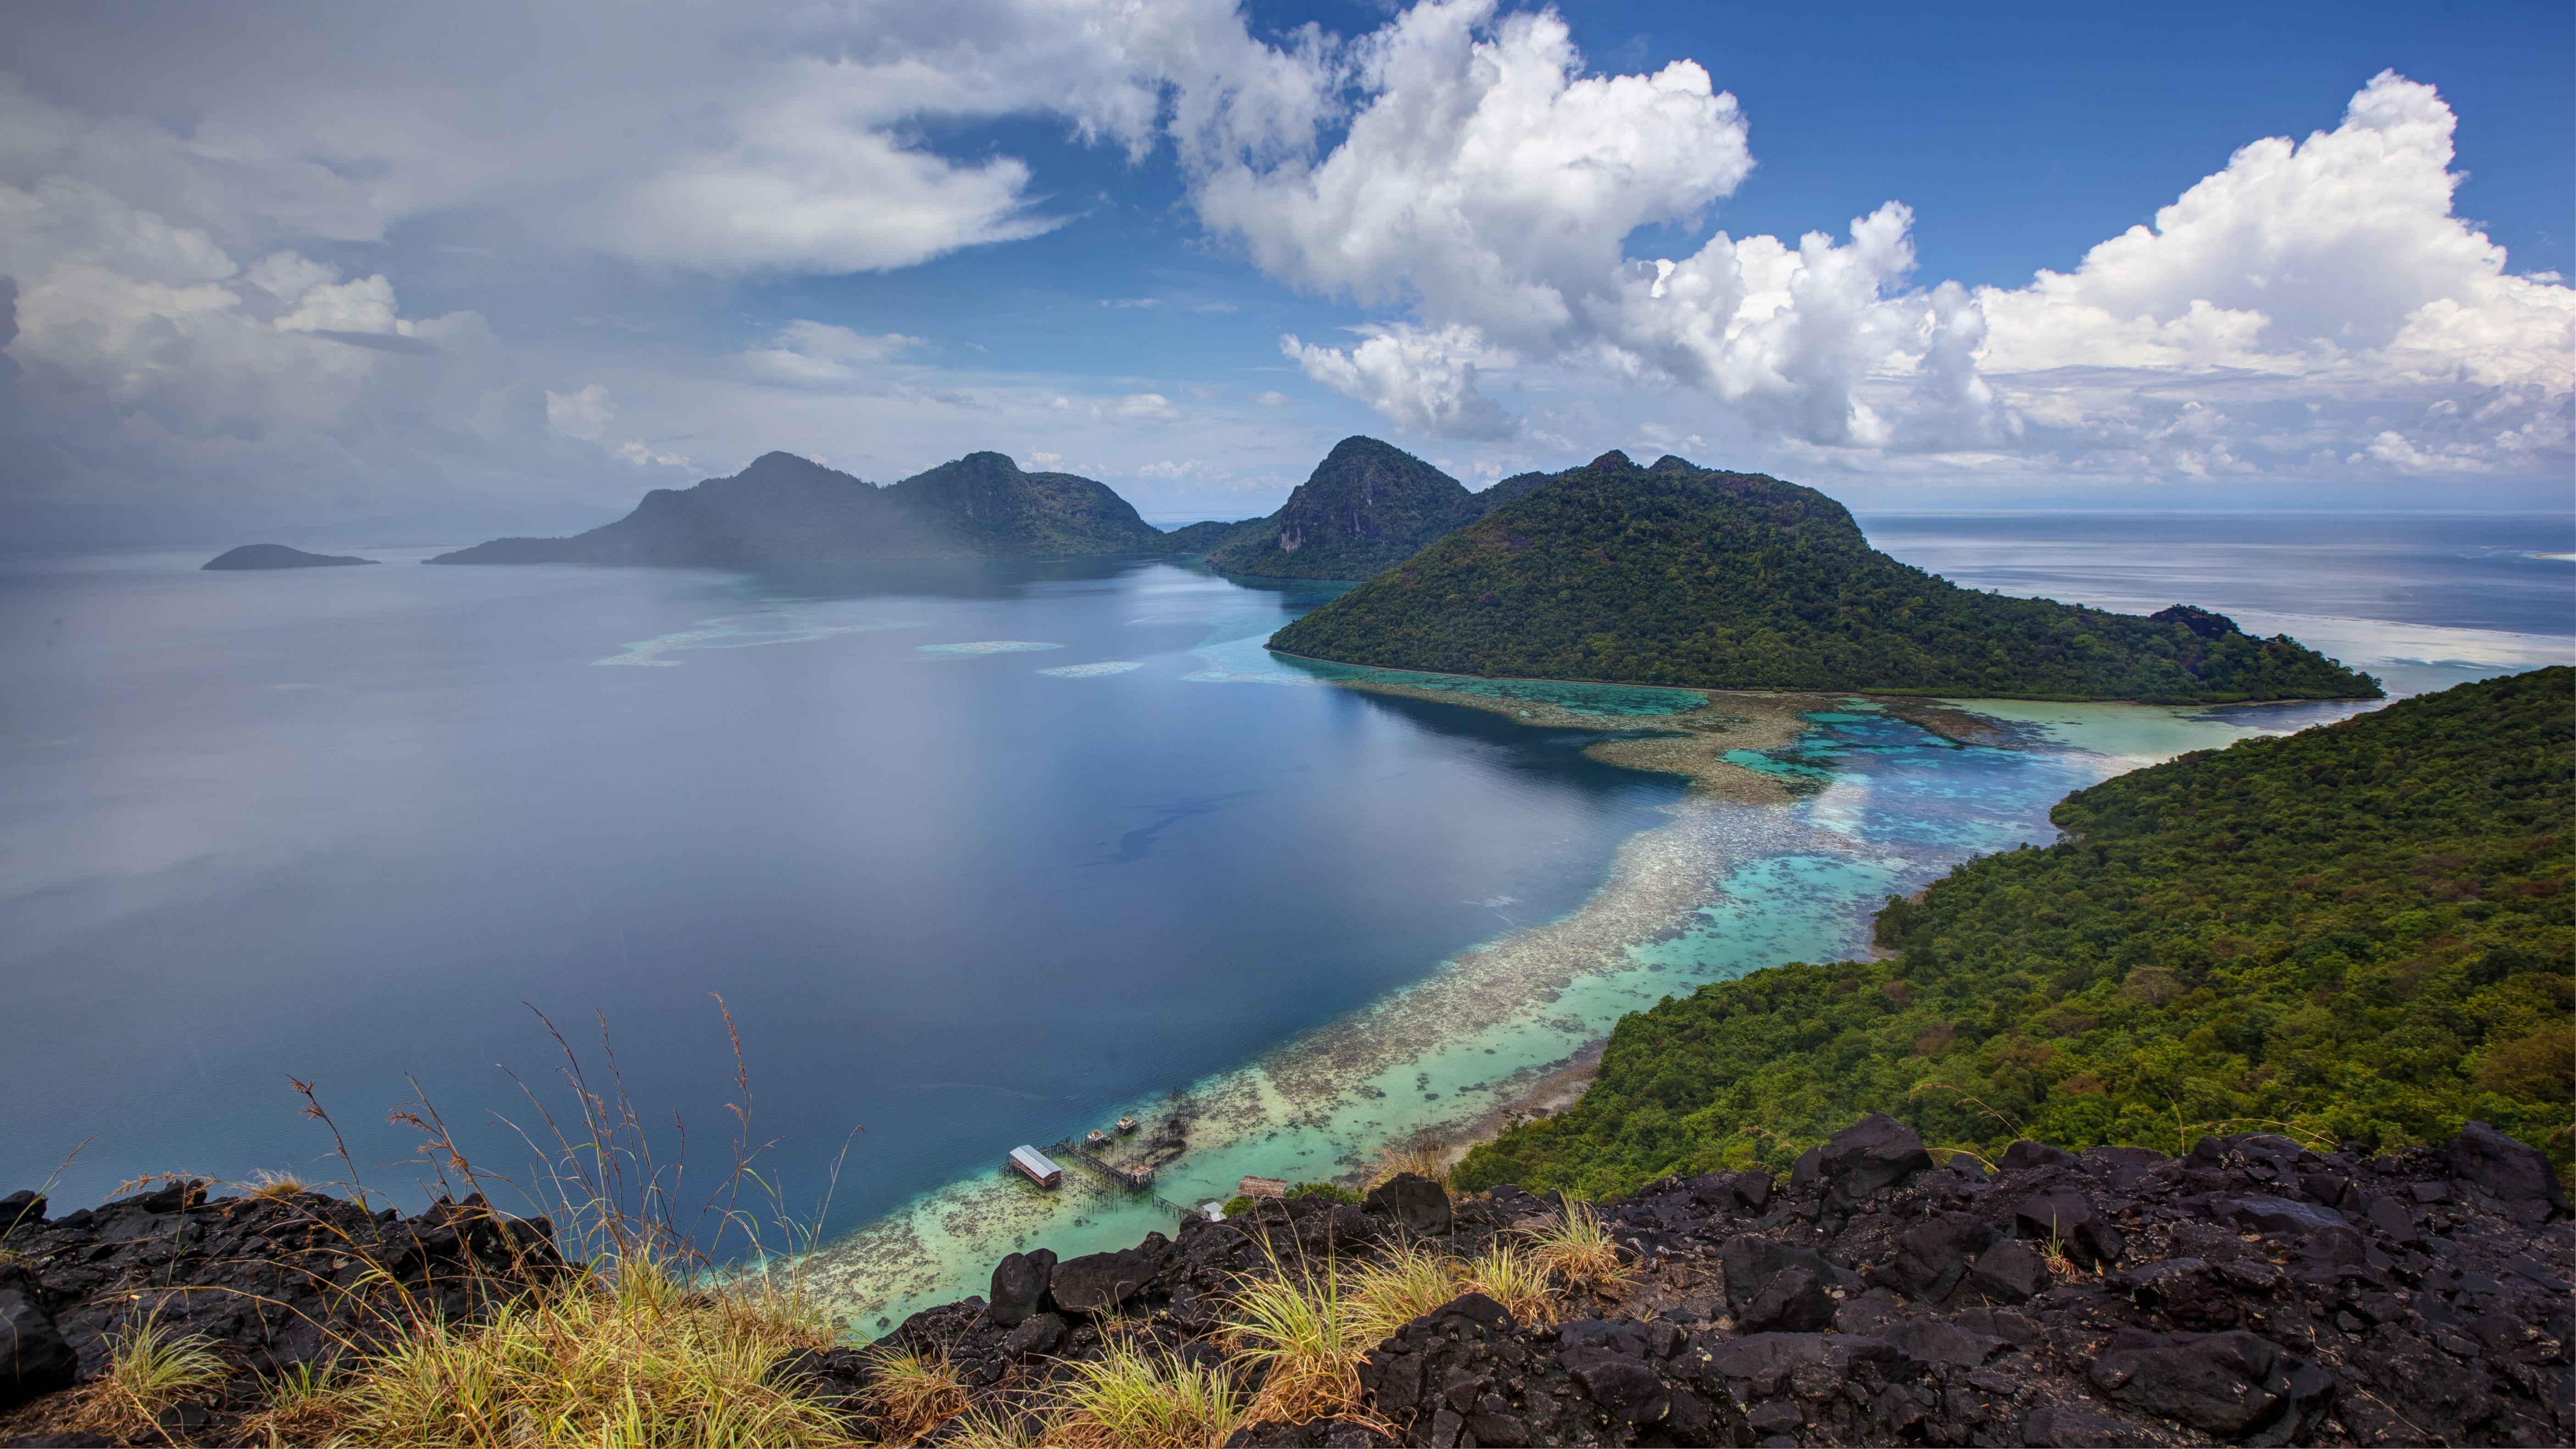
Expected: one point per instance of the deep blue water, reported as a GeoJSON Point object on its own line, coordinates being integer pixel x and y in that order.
{"type": "Point", "coordinates": [340, 824]}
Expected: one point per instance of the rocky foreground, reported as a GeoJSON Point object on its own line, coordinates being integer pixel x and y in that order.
{"type": "Point", "coordinates": [2249, 1292]}
{"type": "Point", "coordinates": [280, 1283]}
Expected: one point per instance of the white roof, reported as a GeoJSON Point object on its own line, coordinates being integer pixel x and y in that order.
{"type": "Point", "coordinates": [1035, 1161]}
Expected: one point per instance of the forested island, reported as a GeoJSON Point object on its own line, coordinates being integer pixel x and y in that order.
{"type": "Point", "coordinates": [2356, 933]}
{"type": "Point", "coordinates": [1679, 575]}
{"type": "Point", "coordinates": [786, 509]}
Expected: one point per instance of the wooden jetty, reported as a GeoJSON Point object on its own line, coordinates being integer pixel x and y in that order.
{"type": "Point", "coordinates": [1130, 1179]}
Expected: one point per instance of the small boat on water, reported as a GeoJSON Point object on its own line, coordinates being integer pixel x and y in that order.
{"type": "Point", "coordinates": [1034, 1165]}
{"type": "Point", "coordinates": [1126, 1125]}
{"type": "Point", "coordinates": [1097, 1138]}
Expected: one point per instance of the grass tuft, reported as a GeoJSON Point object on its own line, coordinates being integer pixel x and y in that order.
{"type": "Point", "coordinates": [1309, 1335]}
{"type": "Point", "coordinates": [1513, 1278]}
{"type": "Point", "coordinates": [149, 1369]}
{"type": "Point", "coordinates": [913, 1392]}
{"type": "Point", "coordinates": [1132, 1399]}
{"type": "Point", "coordinates": [1421, 1156]}
{"type": "Point", "coordinates": [1401, 1287]}
{"type": "Point", "coordinates": [274, 1185]}
{"type": "Point", "coordinates": [1577, 1249]}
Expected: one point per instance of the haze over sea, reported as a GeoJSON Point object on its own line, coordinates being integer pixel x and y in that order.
{"type": "Point", "coordinates": [977, 854]}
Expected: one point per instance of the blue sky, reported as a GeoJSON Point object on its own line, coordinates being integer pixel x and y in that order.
{"type": "Point", "coordinates": [300, 262]}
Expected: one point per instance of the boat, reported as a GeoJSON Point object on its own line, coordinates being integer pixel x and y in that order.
{"type": "Point", "coordinates": [1097, 1138]}
{"type": "Point", "coordinates": [1034, 1165]}
{"type": "Point", "coordinates": [1126, 1125]}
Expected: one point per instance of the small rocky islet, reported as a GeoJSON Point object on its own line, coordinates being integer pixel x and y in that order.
{"type": "Point", "coordinates": [2251, 1291]}
{"type": "Point", "coordinates": [276, 556]}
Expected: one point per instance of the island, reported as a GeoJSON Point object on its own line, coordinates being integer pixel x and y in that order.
{"type": "Point", "coordinates": [787, 509]}
{"type": "Point", "coordinates": [277, 556]}
{"type": "Point", "coordinates": [1683, 576]}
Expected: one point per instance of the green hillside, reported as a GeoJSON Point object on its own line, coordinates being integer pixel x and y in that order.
{"type": "Point", "coordinates": [2361, 932]}
{"type": "Point", "coordinates": [1366, 506]}
{"type": "Point", "coordinates": [1677, 575]}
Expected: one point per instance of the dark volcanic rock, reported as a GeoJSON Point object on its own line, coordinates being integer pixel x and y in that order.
{"type": "Point", "coordinates": [1417, 1202]}
{"type": "Point", "coordinates": [1099, 1282]}
{"type": "Point", "coordinates": [277, 556]}
{"type": "Point", "coordinates": [2510, 1170]}
{"type": "Point", "coordinates": [1020, 1284]}
{"type": "Point", "coordinates": [2254, 1292]}
{"type": "Point", "coordinates": [271, 1283]}
{"type": "Point", "coordinates": [1877, 1153]}
{"type": "Point", "coordinates": [34, 1359]}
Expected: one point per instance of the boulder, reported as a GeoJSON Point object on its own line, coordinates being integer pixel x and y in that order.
{"type": "Point", "coordinates": [1020, 1284]}
{"type": "Point", "coordinates": [34, 1358]}
{"type": "Point", "coordinates": [2027, 1154]}
{"type": "Point", "coordinates": [2008, 1272]}
{"type": "Point", "coordinates": [22, 1206]}
{"type": "Point", "coordinates": [1417, 1202]}
{"type": "Point", "coordinates": [2223, 1384]}
{"type": "Point", "coordinates": [2511, 1170]}
{"type": "Point", "coordinates": [1751, 1261]}
{"type": "Point", "coordinates": [1099, 1282]}
{"type": "Point", "coordinates": [1874, 1154]}
{"type": "Point", "coordinates": [1933, 1256]}
{"type": "Point", "coordinates": [2066, 1219]}
{"type": "Point", "coordinates": [1037, 1334]}
{"type": "Point", "coordinates": [1793, 1301]}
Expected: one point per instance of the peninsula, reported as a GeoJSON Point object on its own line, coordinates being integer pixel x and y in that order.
{"type": "Point", "coordinates": [1680, 575]}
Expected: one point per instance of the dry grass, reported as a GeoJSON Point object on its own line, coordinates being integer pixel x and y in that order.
{"type": "Point", "coordinates": [911, 1392]}
{"type": "Point", "coordinates": [1000, 1426]}
{"type": "Point", "coordinates": [1577, 1250]}
{"type": "Point", "coordinates": [274, 1185]}
{"type": "Point", "coordinates": [1514, 1279]}
{"type": "Point", "coordinates": [1133, 1399]}
{"type": "Point", "coordinates": [1401, 1287]}
{"type": "Point", "coordinates": [646, 1359]}
{"type": "Point", "coordinates": [1309, 1334]}
{"type": "Point", "coordinates": [149, 1370]}
{"type": "Point", "coordinates": [1421, 1156]}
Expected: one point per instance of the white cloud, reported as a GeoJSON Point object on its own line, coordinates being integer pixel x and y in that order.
{"type": "Point", "coordinates": [585, 414]}
{"type": "Point", "coordinates": [1143, 407]}
{"type": "Point", "coordinates": [820, 354]}
{"type": "Point", "coordinates": [1421, 380]}
{"type": "Point", "coordinates": [1272, 398]}
{"type": "Point", "coordinates": [1130, 301]}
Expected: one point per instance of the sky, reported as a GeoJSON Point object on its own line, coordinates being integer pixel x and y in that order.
{"type": "Point", "coordinates": [484, 266]}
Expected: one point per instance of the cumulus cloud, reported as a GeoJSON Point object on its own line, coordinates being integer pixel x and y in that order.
{"type": "Point", "coordinates": [1419, 379]}
{"type": "Point", "coordinates": [1484, 185]}
{"type": "Point", "coordinates": [2330, 274]}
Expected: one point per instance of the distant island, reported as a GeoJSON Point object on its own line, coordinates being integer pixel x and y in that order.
{"type": "Point", "coordinates": [277, 556]}
{"type": "Point", "coordinates": [786, 509]}
{"type": "Point", "coordinates": [1680, 575]}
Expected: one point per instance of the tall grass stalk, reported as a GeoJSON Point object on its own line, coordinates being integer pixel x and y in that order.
{"type": "Point", "coordinates": [1401, 1287]}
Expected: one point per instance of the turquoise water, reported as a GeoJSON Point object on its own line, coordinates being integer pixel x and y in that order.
{"type": "Point", "coordinates": [1718, 890]}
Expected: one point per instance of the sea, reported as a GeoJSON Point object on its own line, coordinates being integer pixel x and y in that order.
{"type": "Point", "coordinates": [862, 875]}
